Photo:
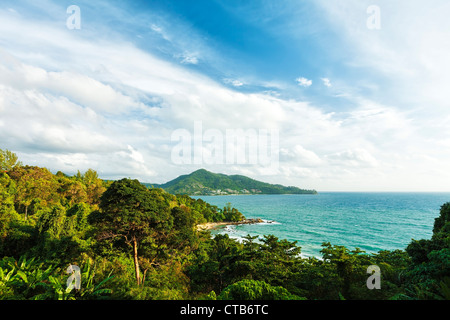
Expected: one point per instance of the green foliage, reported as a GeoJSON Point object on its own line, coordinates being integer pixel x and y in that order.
{"type": "Point", "coordinates": [200, 210]}
{"type": "Point", "coordinates": [91, 288]}
{"type": "Point", "coordinates": [25, 279]}
{"type": "Point", "coordinates": [430, 260]}
{"type": "Point", "coordinates": [232, 214]}
{"type": "Point", "coordinates": [35, 186]}
{"type": "Point", "coordinates": [129, 209]}
{"type": "Point", "coordinates": [8, 213]}
{"type": "Point", "coordinates": [77, 218]}
{"type": "Point", "coordinates": [442, 223]}
{"type": "Point", "coordinates": [135, 214]}
{"type": "Point", "coordinates": [52, 221]}
{"type": "Point", "coordinates": [255, 290]}
{"type": "Point", "coordinates": [29, 279]}
{"type": "Point", "coordinates": [8, 160]}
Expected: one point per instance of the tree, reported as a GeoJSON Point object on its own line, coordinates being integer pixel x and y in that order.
{"type": "Point", "coordinates": [130, 211]}
{"type": "Point", "coordinates": [51, 221]}
{"type": "Point", "coordinates": [71, 190]}
{"type": "Point", "coordinates": [77, 217]}
{"type": "Point", "coordinates": [345, 263]}
{"type": "Point", "coordinates": [7, 211]}
{"type": "Point", "coordinates": [93, 184]}
{"type": "Point", "coordinates": [8, 160]}
{"type": "Point", "coordinates": [232, 214]}
{"type": "Point", "coordinates": [430, 259]}
{"type": "Point", "coordinates": [183, 227]}
{"type": "Point", "coordinates": [15, 237]}
{"type": "Point", "coordinates": [256, 290]}
{"type": "Point", "coordinates": [212, 267]}
{"type": "Point", "coordinates": [34, 185]}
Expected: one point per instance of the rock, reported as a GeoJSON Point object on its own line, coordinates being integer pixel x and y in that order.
{"type": "Point", "coordinates": [248, 221]}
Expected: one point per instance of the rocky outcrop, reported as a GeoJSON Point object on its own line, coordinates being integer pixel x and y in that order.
{"type": "Point", "coordinates": [246, 221]}
{"type": "Point", "coordinates": [212, 225]}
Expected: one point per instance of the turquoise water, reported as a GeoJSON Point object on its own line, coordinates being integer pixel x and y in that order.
{"type": "Point", "coordinates": [369, 221]}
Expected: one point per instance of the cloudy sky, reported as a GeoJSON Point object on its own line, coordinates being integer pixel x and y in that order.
{"type": "Point", "coordinates": [356, 91]}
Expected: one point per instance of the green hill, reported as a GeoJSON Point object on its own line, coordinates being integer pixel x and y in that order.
{"type": "Point", "coordinates": [203, 182]}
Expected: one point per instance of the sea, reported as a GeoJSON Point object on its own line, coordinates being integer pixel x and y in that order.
{"type": "Point", "coordinates": [369, 221]}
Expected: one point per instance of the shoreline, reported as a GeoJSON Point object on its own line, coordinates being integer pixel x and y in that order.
{"type": "Point", "coordinates": [212, 225]}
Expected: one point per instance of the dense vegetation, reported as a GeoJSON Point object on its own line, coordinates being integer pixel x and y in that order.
{"type": "Point", "coordinates": [203, 182]}
{"type": "Point", "coordinates": [132, 242]}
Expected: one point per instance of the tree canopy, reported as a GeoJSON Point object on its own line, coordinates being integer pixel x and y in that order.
{"type": "Point", "coordinates": [135, 242]}
{"type": "Point", "coordinates": [8, 160]}
{"type": "Point", "coordinates": [135, 213]}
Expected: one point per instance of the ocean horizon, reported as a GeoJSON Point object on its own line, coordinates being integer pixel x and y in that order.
{"type": "Point", "coordinates": [370, 221]}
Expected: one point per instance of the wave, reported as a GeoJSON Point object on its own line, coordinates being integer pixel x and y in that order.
{"type": "Point", "coordinates": [264, 222]}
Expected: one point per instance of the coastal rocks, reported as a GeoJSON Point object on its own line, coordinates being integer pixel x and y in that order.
{"type": "Point", "coordinates": [246, 221]}
{"type": "Point", "coordinates": [213, 225]}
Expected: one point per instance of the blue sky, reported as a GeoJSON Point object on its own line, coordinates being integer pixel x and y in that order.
{"type": "Point", "coordinates": [355, 108]}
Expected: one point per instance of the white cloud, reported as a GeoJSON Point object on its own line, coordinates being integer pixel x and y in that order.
{"type": "Point", "coordinates": [301, 156]}
{"type": "Point", "coordinates": [233, 82]}
{"type": "Point", "coordinates": [38, 121]}
{"type": "Point", "coordinates": [326, 82]}
{"type": "Point", "coordinates": [136, 155]}
{"type": "Point", "coordinates": [99, 114]}
{"type": "Point", "coordinates": [160, 30]}
{"type": "Point", "coordinates": [188, 58]}
{"type": "Point", "coordinates": [353, 159]}
{"type": "Point", "coordinates": [77, 104]}
{"type": "Point", "coordinates": [303, 82]}
{"type": "Point", "coordinates": [408, 54]}
{"type": "Point", "coordinates": [80, 89]}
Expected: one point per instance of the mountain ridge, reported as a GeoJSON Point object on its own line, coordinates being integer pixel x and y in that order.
{"type": "Point", "coordinates": [204, 182]}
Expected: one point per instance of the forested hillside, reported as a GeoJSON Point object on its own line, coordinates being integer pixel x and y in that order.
{"type": "Point", "coordinates": [203, 182]}
{"type": "Point", "coordinates": [134, 242]}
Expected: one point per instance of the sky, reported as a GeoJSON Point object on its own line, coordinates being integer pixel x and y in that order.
{"type": "Point", "coordinates": [342, 95]}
